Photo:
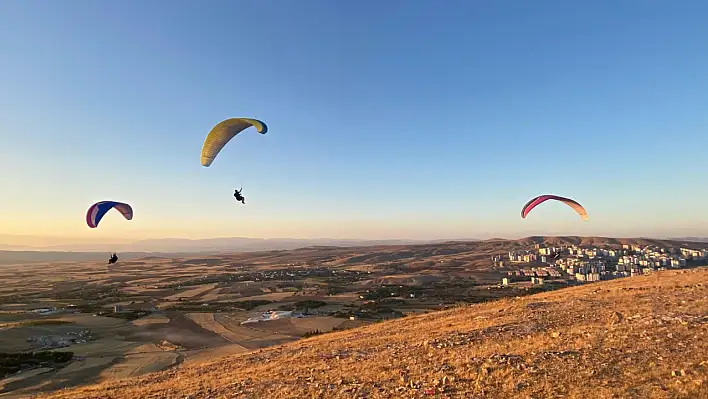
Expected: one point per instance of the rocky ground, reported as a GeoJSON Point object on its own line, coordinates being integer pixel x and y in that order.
{"type": "Point", "coordinates": [641, 337]}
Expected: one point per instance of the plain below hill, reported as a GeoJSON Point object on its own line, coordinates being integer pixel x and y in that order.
{"type": "Point", "coordinates": [640, 337]}
{"type": "Point", "coordinates": [181, 245]}
{"type": "Point", "coordinates": [23, 257]}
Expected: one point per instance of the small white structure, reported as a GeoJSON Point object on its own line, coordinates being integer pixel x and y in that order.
{"type": "Point", "coordinates": [273, 315]}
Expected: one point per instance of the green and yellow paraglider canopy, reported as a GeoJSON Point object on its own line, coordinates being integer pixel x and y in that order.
{"type": "Point", "coordinates": [223, 132]}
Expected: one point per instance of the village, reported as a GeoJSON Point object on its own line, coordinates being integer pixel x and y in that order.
{"type": "Point", "coordinates": [54, 341]}
{"type": "Point", "coordinates": [591, 263]}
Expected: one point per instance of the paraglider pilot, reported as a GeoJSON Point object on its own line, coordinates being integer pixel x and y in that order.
{"type": "Point", "coordinates": [239, 197]}
{"type": "Point", "coordinates": [113, 259]}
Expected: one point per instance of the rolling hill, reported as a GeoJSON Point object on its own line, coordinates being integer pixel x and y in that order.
{"type": "Point", "coordinates": [374, 251]}
{"type": "Point", "coordinates": [640, 337]}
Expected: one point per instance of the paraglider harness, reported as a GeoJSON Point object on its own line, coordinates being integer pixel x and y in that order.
{"type": "Point", "coordinates": [113, 259]}
{"type": "Point", "coordinates": [239, 197]}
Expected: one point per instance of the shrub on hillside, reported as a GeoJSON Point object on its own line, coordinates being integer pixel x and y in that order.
{"type": "Point", "coordinates": [312, 333]}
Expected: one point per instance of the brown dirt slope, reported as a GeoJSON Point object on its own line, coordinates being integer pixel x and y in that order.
{"type": "Point", "coordinates": [641, 337]}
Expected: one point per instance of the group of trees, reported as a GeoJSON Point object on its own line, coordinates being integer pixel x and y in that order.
{"type": "Point", "coordinates": [11, 363]}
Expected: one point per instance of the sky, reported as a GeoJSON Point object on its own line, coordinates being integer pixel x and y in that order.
{"type": "Point", "coordinates": [395, 119]}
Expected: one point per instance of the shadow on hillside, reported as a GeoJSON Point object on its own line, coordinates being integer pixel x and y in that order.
{"type": "Point", "coordinates": [51, 381]}
{"type": "Point", "coordinates": [180, 331]}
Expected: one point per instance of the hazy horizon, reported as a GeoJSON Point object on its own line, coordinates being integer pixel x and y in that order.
{"type": "Point", "coordinates": [413, 122]}
{"type": "Point", "coordinates": [20, 242]}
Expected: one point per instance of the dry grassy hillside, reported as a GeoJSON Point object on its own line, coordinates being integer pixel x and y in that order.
{"type": "Point", "coordinates": [642, 337]}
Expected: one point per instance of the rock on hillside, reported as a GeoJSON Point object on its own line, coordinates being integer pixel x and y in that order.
{"type": "Point", "coordinates": [642, 337]}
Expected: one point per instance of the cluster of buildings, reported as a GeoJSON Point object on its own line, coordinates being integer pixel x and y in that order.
{"type": "Point", "coordinates": [592, 263]}
{"type": "Point", "coordinates": [270, 275]}
{"type": "Point", "coordinates": [136, 306]}
{"type": "Point", "coordinates": [537, 274]}
{"type": "Point", "coordinates": [44, 342]}
{"type": "Point", "coordinates": [544, 271]}
{"type": "Point", "coordinates": [54, 310]}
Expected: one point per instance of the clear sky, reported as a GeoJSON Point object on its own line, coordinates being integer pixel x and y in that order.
{"type": "Point", "coordinates": [393, 118]}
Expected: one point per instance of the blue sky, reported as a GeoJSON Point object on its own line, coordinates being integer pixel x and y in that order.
{"type": "Point", "coordinates": [387, 119]}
